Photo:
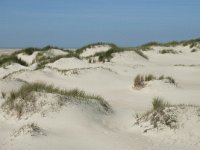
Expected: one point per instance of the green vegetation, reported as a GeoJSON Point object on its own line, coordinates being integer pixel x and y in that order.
{"type": "Point", "coordinates": [158, 104]}
{"type": "Point", "coordinates": [42, 60]}
{"type": "Point", "coordinates": [24, 99]}
{"type": "Point", "coordinates": [149, 77]}
{"type": "Point", "coordinates": [192, 43]}
{"type": "Point", "coordinates": [139, 52]}
{"type": "Point", "coordinates": [193, 65]}
{"type": "Point", "coordinates": [165, 51]}
{"type": "Point", "coordinates": [8, 59]}
{"type": "Point", "coordinates": [171, 80]}
{"type": "Point", "coordinates": [139, 81]}
{"type": "Point", "coordinates": [80, 50]}
{"type": "Point", "coordinates": [161, 114]}
{"type": "Point", "coordinates": [31, 50]}
{"type": "Point", "coordinates": [151, 44]}
{"type": "Point", "coordinates": [194, 50]}
{"type": "Point", "coordinates": [3, 94]}
{"type": "Point", "coordinates": [32, 128]}
{"type": "Point", "coordinates": [103, 56]}
{"type": "Point", "coordinates": [108, 55]}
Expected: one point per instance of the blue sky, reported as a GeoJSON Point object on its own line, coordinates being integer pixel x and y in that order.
{"type": "Point", "coordinates": [74, 23]}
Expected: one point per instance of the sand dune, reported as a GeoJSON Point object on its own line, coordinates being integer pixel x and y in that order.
{"type": "Point", "coordinates": [55, 120]}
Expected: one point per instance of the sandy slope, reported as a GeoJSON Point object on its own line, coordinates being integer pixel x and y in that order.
{"type": "Point", "coordinates": [54, 52]}
{"type": "Point", "coordinates": [95, 49]}
{"type": "Point", "coordinates": [81, 127]}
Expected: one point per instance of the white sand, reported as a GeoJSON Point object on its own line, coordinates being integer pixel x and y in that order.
{"type": "Point", "coordinates": [54, 52]}
{"type": "Point", "coordinates": [78, 127]}
{"type": "Point", "coordinates": [7, 51]}
{"type": "Point", "coordinates": [95, 49]}
{"type": "Point", "coordinates": [11, 69]}
{"type": "Point", "coordinates": [27, 58]}
{"type": "Point", "coordinates": [68, 63]}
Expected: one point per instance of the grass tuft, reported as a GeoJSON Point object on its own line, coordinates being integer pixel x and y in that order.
{"type": "Point", "coordinates": [161, 114]}
{"type": "Point", "coordinates": [139, 81]}
{"type": "Point", "coordinates": [158, 104]}
{"type": "Point", "coordinates": [167, 51]}
{"type": "Point", "coordinates": [139, 52]}
{"type": "Point", "coordinates": [8, 59]}
{"type": "Point", "coordinates": [150, 77]}
{"type": "Point", "coordinates": [194, 50]}
{"type": "Point", "coordinates": [80, 50]}
{"type": "Point", "coordinates": [171, 80]}
{"type": "Point", "coordinates": [3, 94]}
{"type": "Point", "coordinates": [24, 97]}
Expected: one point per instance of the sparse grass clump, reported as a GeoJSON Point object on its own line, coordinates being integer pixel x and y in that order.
{"type": "Point", "coordinates": [24, 99]}
{"type": "Point", "coordinates": [42, 60]}
{"type": "Point", "coordinates": [191, 43]}
{"type": "Point", "coordinates": [3, 94]}
{"type": "Point", "coordinates": [139, 81]}
{"type": "Point", "coordinates": [139, 52]}
{"type": "Point", "coordinates": [107, 56]}
{"type": "Point", "coordinates": [162, 77]}
{"type": "Point", "coordinates": [8, 59]}
{"type": "Point", "coordinates": [31, 50]}
{"type": "Point", "coordinates": [150, 77]}
{"type": "Point", "coordinates": [165, 51]}
{"type": "Point", "coordinates": [171, 80]}
{"type": "Point", "coordinates": [158, 104]}
{"type": "Point", "coordinates": [33, 129]}
{"type": "Point", "coordinates": [194, 50]}
{"type": "Point", "coordinates": [162, 114]}
{"type": "Point", "coordinates": [80, 50]}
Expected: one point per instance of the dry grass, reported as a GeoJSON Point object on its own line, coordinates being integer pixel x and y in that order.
{"type": "Point", "coordinates": [8, 59]}
{"type": "Point", "coordinates": [24, 97]}
{"type": "Point", "coordinates": [139, 81]}
{"type": "Point", "coordinates": [159, 104]}
{"type": "Point", "coordinates": [167, 51]}
{"type": "Point", "coordinates": [161, 114]}
{"type": "Point", "coordinates": [194, 50]}
{"type": "Point", "coordinates": [3, 94]}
